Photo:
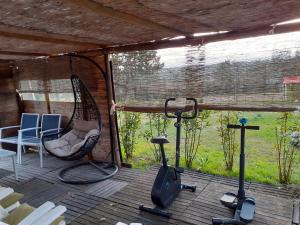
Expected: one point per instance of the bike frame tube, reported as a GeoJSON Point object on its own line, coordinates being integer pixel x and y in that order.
{"type": "Point", "coordinates": [178, 133]}
{"type": "Point", "coordinates": [241, 192]}
{"type": "Point", "coordinates": [179, 117]}
{"type": "Point", "coordinates": [163, 155]}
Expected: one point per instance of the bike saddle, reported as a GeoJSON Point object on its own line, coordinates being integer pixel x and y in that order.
{"type": "Point", "coordinates": [160, 140]}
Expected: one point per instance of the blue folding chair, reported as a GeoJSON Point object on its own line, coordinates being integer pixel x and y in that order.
{"type": "Point", "coordinates": [26, 130]}
{"type": "Point", "coordinates": [50, 124]}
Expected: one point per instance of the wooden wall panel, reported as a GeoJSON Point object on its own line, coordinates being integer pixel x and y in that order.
{"type": "Point", "coordinates": [9, 110]}
{"type": "Point", "coordinates": [5, 70]}
{"type": "Point", "coordinates": [34, 106]}
{"type": "Point", "coordinates": [64, 108]}
{"type": "Point", "coordinates": [58, 68]}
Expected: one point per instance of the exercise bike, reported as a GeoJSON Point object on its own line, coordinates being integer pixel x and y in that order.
{"type": "Point", "coordinates": [244, 206]}
{"type": "Point", "coordinates": [167, 184]}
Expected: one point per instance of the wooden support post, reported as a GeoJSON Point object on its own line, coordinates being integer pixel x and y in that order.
{"type": "Point", "coordinates": [109, 90]}
{"type": "Point", "coordinates": [47, 99]}
{"type": "Point", "coordinates": [39, 36]}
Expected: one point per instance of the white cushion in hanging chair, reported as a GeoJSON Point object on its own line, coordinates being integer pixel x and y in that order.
{"type": "Point", "coordinates": [76, 147]}
{"type": "Point", "coordinates": [69, 143]}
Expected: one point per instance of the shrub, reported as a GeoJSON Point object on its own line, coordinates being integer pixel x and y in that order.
{"type": "Point", "coordinates": [202, 162]}
{"type": "Point", "coordinates": [129, 124]}
{"type": "Point", "coordinates": [157, 126]}
{"type": "Point", "coordinates": [228, 138]}
{"type": "Point", "coordinates": [287, 143]}
{"type": "Point", "coordinates": [193, 129]}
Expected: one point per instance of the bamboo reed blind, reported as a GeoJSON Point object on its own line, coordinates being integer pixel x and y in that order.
{"type": "Point", "coordinates": [44, 76]}
{"type": "Point", "coordinates": [246, 73]}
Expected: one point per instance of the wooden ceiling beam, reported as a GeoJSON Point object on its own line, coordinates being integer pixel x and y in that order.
{"type": "Point", "coordinates": [129, 18]}
{"type": "Point", "coordinates": [39, 36]}
{"type": "Point", "coordinates": [232, 35]}
{"type": "Point", "coordinates": [4, 60]}
{"type": "Point", "coordinates": [33, 54]}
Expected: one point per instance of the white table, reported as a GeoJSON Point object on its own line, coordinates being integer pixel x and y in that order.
{"type": "Point", "coordinates": [6, 154]}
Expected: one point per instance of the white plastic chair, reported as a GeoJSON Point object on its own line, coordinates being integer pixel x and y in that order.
{"type": "Point", "coordinates": [43, 215]}
{"type": "Point", "coordinates": [5, 192]}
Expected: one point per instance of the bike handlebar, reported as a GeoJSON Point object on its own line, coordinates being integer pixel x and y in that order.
{"type": "Point", "coordinates": [240, 126]}
{"type": "Point", "coordinates": [195, 109]}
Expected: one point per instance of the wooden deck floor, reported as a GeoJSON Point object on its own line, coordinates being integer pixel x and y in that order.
{"type": "Point", "coordinates": [118, 199]}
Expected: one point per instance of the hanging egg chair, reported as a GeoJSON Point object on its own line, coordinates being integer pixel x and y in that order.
{"type": "Point", "coordinates": [80, 136]}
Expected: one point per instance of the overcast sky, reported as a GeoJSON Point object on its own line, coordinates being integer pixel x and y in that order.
{"type": "Point", "coordinates": [238, 50]}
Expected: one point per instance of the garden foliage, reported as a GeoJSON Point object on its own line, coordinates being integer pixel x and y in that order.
{"type": "Point", "coordinates": [157, 126]}
{"type": "Point", "coordinates": [286, 146]}
{"type": "Point", "coordinates": [129, 125]}
{"type": "Point", "coordinates": [228, 137]}
{"type": "Point", "coordinates": [193, 130]}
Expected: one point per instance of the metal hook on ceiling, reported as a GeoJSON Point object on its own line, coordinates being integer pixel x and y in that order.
{"type": "Point", "coordinates": [272, 31]}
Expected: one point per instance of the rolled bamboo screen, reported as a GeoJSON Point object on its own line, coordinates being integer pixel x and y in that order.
{"type": "Point", "coordinates": [43, 76]}
{"type": "Point", "coordinates": [249, 74]}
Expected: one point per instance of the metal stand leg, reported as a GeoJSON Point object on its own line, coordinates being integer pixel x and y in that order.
{"type": "Point", "coordinates": [41, 156]}
{"type": "Point", "coordinates": [24, 149]}
{"type": "Point", "coordinates": [44, 152]}
{"type": "Point", "coordinates": [113, 171]}
{"type": "Point", "coordinates": [15, 167]}
{"type": "Point", "coordinates": [19, 147]}
{"type": "Point", "coordinates": [19, 154]}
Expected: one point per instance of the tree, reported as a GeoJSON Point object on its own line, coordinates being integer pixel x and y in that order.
{"type": "Point", "coordinates": [129, 70]}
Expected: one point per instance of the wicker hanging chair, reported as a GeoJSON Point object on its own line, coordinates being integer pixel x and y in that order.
{"type": "Point", "coordinates": [81, 134]}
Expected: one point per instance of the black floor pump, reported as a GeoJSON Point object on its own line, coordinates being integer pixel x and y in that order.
{"type": "Point", "coordinates": [244, 206]}
{"type": "Point", "coordinates": [167, 184]}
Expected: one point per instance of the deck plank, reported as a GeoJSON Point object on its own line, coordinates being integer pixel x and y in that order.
{"type": "Point", "coordinates": [118, 199]}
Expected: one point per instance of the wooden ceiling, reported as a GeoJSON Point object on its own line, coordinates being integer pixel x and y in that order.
{"type": "Point", "coordinates": [31, 28]}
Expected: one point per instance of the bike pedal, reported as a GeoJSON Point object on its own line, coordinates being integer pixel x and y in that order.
{"type": "Point", "coordinates": [248, 210]}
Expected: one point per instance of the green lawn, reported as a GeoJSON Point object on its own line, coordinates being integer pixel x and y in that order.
{"type": "Point", "coordinates": [260, 153]}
